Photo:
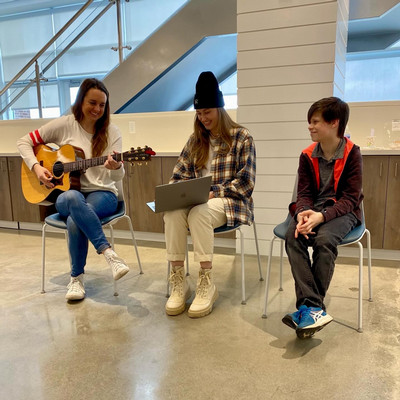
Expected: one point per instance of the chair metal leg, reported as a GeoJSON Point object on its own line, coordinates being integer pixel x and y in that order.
{"type": "Point", "coordinates": [112, 246]}
{"type": "Point", "coordinates": [369, 264]}
{"type": "Point", "coordinates": [112, 236]}
{"type": "Point", "coordinates": [43, 256]}
{"type": "Point", "coordinates": [134, 243]}
{"type": "Point", "coordinates": [267, 277]}
{"type": "Point", "coordinates": [242, 262]}
{"type": "Point", "coordinates": [258, 251]}
{"type": "Point", "coordinates": [360, 289]}
{"type": "Point", "coordinates": [69, 254]}
{"type": "Point", "coordinates": [281, 268]}
{"type": "Point", "coordinates": [115, 288]}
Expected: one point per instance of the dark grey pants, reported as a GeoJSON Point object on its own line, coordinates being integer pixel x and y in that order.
{"type": "Point", "coordinates": [312, 279]}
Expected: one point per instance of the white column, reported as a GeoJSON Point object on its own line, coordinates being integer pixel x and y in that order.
{"type": "Point", "coordinates": [290, 54]}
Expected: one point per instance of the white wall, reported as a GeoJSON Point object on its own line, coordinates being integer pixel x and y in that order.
{"type": "Point", "coordinates": [165, 132]}
{"type": "Point", "coordinates": [168, 131]}
{"type": "Point", "coordinates": [290, 54]}
{"type": "Point", "coordinates": [373, 115]}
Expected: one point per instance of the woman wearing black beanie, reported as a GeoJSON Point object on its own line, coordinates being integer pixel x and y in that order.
{"type": "Point", "coordinates": [225, 150]}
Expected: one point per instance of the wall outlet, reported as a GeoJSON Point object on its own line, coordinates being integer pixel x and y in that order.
{"type": "Point", "coordinates": [132, 127]}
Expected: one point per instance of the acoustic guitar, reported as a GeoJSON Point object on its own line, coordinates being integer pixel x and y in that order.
{"type": "Point", "coordinates": [66, 165]}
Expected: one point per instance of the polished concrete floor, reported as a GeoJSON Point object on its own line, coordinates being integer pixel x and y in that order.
{"type": "Point", "coordinates": [126, 347]}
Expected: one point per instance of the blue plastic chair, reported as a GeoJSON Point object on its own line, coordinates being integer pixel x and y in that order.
{"type": "Point", "coordinates": [352, 237]}
{"type": "Point", "coordinates": [55, 221]}
{"type": "Point", "coordinates": [225, 229]}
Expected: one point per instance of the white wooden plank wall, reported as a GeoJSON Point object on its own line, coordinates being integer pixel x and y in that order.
{"type": "Point", "coordinates": [290, 54]}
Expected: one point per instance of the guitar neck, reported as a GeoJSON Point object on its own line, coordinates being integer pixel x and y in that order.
{"type": "Point", "coordinates": [83, 164]}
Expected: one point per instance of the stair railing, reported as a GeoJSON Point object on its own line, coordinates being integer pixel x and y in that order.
{"type": "Point", "coordinates": [39, 76]}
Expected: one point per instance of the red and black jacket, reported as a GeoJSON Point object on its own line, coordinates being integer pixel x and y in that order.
{"type": "Point", "coordinates": [347, 183]}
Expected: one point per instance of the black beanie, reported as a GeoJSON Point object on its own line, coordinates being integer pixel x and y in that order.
{"type": "Point", "coordinates": [208, 94]}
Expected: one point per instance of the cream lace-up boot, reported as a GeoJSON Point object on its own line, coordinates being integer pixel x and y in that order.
{"type": "Point", "coordinates": [206, 294]}
{"type": "Point", "coordinates": [179, 290]}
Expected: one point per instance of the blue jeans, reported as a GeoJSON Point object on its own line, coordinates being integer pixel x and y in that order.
{"type": "Point", "coordinates": [82, 212]}
{"type": "Point", "coordinates": [312, 279]}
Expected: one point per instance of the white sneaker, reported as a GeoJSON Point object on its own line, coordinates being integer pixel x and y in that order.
{"type": "Point", "coordinates": [76, 288]}
{"type": "Point", "coordinates": [117, 265]}
{"type": "Point", "coordinates": [206, 294]}
{"type": "Point", "coordinates": [180, 292]}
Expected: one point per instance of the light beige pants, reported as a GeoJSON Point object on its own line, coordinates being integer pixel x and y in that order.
{"type": "Point", "coordinates": [201, 221]}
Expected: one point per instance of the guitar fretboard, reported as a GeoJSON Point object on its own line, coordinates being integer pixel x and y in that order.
{"type": "Point", "coordinates": [83, 164]}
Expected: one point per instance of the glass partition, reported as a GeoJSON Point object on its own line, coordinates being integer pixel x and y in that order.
{"type": "Point", "coordinates": [23, 35]}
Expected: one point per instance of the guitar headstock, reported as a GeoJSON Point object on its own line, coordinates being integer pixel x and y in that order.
{"type": "Point", "coordinates": [138, 155]}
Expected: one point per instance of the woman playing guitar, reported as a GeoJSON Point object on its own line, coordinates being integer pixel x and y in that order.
{"type": "Point", "coordinates": [89, 129]}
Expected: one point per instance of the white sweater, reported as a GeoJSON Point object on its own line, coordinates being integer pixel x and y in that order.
{"type": "Point", "coordinates": [66, 130]}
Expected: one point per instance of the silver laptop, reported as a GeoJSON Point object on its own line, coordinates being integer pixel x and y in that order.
{"type": "Point", "coordinates": [182, 194]}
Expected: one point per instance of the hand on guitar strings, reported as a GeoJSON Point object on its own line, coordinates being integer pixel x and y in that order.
{"type": "Point", "coordinates": [43, 175]}
{"type": "Point", "coordinates": [111, 163]}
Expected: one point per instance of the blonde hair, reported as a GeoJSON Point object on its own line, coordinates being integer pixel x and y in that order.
{"type": "Point", "coordinates": [200, 142]}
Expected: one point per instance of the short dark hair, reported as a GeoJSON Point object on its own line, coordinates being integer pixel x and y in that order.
{"type": "Point", "coordinates": [331, 108]}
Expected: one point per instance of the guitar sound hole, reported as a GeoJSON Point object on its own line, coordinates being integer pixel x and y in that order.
{"type": "Point", "coordinates": [58, 169]}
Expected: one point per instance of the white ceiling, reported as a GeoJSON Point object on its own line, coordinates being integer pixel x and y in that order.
{"type": "Point", "coordinates": [372, 10]}
{"type": "Point", "coordinates": [20, 6]}
{"type": "Point", "coordinates": [8, 7]}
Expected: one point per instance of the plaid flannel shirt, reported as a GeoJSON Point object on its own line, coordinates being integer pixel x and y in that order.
{"type": "Point", "coordinates": [233, 175]}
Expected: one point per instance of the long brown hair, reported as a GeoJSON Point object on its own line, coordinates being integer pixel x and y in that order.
{"type": "Point", "coordinates": [200, 143]}
{"type": "Point", "coordinates": [100, 137]}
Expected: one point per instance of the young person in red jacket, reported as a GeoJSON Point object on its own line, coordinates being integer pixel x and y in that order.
{"type": "Point", "coordinates": [327, 209]}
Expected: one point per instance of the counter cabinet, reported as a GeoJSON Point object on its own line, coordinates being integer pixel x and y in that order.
{"type": "Point", "coordinates": [381, 187]}
{"type": "Point", "coordinates": [6, 205]}
{"type": "Point", "coordinates": [14, 207]}
{"type": "Point", "coordinates": [139, 185]}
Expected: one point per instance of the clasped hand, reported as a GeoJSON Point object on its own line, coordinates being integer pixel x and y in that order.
{"type": "Point", "coordinates": [306, 222]}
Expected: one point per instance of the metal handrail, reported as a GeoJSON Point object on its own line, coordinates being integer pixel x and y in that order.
{"type": "Point", "coordinates": [59, 55]}
{"type": "Point", "coordinates": [37, 74]}
{"type": "Point", "coordinates": [120, 47]}
{"type": "Point", "coordinates": [52, 62]}
{"type": "Point", "coordinates": [46, 46]}
{"type": "Point", "coordinates": [102, 12]}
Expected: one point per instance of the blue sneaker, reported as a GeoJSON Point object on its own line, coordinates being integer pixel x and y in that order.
{"type": "Point", "coordinates": [292, 320]}
{"type": "Point", "coordinates": [312, 320]}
